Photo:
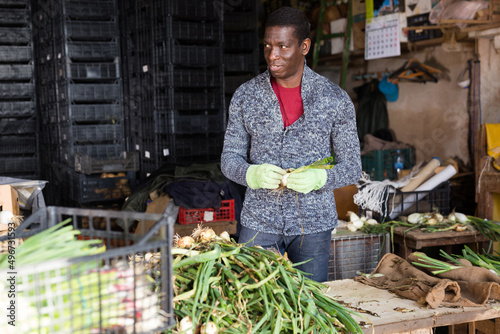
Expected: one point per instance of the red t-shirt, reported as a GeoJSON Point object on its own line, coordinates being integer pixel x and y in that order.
{"type": "Point", "coordinates": [290, 102]}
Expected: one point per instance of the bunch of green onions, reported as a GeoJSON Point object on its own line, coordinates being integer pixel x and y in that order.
{"type": "Point", "coordinates": [234, 288]}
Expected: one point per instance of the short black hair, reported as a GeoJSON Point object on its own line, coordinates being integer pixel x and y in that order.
{"type": "Point", "coordinates": [290, 17]}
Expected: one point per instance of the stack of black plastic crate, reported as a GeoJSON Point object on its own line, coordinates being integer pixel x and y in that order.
{"type": "Point", "coordinates": [80, 102]}
{"type": "Point", "coordinates": [18, 122]}
{"type": "Point", "coordinates": [241, 44]}
{"type": "Point", "coordinates": [175, 55]}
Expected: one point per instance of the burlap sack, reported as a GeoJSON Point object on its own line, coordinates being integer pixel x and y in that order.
{"type": "Point", "coordinates": [470, 286]}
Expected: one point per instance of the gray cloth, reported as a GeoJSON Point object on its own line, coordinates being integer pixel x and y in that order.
{"type": "Point", "coordinates": [255, 135]}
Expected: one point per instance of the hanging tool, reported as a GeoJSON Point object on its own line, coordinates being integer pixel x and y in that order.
{"type": "Point", "coordinates": [414, 71]}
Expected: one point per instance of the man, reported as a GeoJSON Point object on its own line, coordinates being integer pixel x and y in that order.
{"type": "Point", "coordinates": [288, 117]}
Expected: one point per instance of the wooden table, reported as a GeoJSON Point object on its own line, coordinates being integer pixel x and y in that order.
{"type": "Point", "coordinates": [389, 313]}
{"type": "Point", "coordinates": [416, 239]}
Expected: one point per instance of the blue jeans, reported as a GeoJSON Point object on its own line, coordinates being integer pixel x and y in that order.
{"type": "Point", "coordinates": [314, 246]}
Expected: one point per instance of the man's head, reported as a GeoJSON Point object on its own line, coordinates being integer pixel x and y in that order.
{"type": "Point", "coordinates": [290, 17]}
{"type": "Point", "coordinates": [286, 44]}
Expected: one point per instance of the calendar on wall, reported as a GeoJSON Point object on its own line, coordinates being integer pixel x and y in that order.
{"type": "Point", "coordinates": [382, 37]}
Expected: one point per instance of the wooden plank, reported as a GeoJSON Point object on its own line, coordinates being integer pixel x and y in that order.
{"type": "Point", "coordinates": [389, 313]}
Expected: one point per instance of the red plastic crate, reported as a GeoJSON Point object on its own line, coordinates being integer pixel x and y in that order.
{"type": "Point", "coordinates": [207, 215]}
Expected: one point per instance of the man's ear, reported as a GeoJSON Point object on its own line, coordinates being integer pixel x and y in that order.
{"type": "Point", "coordinates": [306, 45]}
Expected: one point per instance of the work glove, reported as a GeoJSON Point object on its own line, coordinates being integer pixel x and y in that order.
{"type": "Point", "coordinates": [264, 176]}
{"type": "Point", "coordinates": [306, 181]}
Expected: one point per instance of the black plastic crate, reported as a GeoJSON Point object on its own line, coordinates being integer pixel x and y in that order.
{"type": "Point", "coordinates": [92, 51]}
{"type": "Point", "coordinates": [16, 90]}
{"type": "Point", "coordinates": [239, 21]}
{"type": "Point", "coordinates": [92, 134]}
{"type": "Point", "coordinates": [201, 100]}
{"type": "Point", "coordinates": [17, 165]}
{"type": "Point", "coordinates": [90, 9]}
{"type": "Point", "coordinates": [17, 109]}
{"type": "Point", "coordinates": [133, 264]}
{"type": "Point", "coordinates": [88, 93]}
{"type": "Point", "coordinates": [191, 9]}
{"type": "Point", "coordinates": [50, 135]}
{"type": "Point", "coordinates": [18, 126]}
{"type": "Point", "coordinates": [17, 145]}
{"type": "Point", "coordinates": [425, 34]}
{"type": "Point", "coordinates": [240, 41]}
{"type": "Point", "coordinates": [11, 53]}
{"type": "Point", "coordinates": [184, 78]}
{"type": "Point", "coordinates": [240, 62]}
{"type": "Point", "coordinates": [93, 150]}
{"type": "Point", "coordinates": [49, 114]}
{"type": "Point", "coordinates": [17, 16]}
{"type": "Point", "coordinates": [400, 203]}
{"type": "Point", "coordinates": [233, 82]}
{"type": "Point", "coordinates": [16, 72]}
{"type": "Point", "coordinates": [175, 122]}
{"type": "Point", "coordinates": [194, 55]}
{"type": "Point", "coordinates": [172, 147]}
{"type": "Point", "coordinates": [127, 161]}
{"type": "Point", "coordinates": [47, 93]}
{"type": "Point", "coordinates": [90, 30]}
{"type": "Point", "coordinates": [92, 71]}
{"type": "Point", "coordinates": [15, 35]}
{"type": "Point", "coordinates": [14, 3]}
{"type": "Point", "coordinates": [196, 31]}
{"type": "Point", "coordinates": [95, 188]}
{"type": "Point", "coordinates": [91, 113]}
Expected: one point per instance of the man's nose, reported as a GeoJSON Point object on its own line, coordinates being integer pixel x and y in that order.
{"type": "Point", "coordinates": [274, 54]}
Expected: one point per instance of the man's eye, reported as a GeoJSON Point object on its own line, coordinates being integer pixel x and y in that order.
{"type": "Point", "coordinates": [283, 46]}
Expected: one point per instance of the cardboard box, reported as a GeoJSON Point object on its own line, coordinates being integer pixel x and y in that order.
{"type": "Point", "coordinates": [9, 199]}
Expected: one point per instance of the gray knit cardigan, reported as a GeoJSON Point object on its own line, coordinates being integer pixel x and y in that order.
{"type": "Point", "coordinates": [255, 135]}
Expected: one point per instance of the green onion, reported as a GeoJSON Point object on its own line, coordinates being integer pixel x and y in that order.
{"type": "Point", "coordinates": [439, 266]}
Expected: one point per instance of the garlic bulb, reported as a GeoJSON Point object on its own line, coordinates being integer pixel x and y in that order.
{"type": "Point", "coordinates": [439, 217]}
{"type": "Point", "coordinates": [185, 242]}
{"type": "Point", "coordinates": [357, 223]}
{"type": "Point", "coordinates": [351, 227]}
{"type": "Point", "coordinates": [415, 218]}
{"type": "Point", "coordinates": [431, 221]}
{"type": "Point", "coordinates": [352, 216]}
{"type": "Point", "coordinates": [6, 217]}
{"type": "Point", "coordinates": [186, 325]}
{"type": "Point", "coordinates": [371, 221]}
{"type": "Point", "coordinates": [225, 236]}
{"type": "Point", "coordinates": [457, 217]}
{"type": "Point", "coordinates": [209, 328]}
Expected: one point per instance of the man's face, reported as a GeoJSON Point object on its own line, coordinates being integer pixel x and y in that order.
{"type": "Point", "coordinates": [284, 54]}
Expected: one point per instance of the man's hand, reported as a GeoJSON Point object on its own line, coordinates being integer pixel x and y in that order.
{"type": "Point", "coordinates": [308, 180]}
{"type": "Point", "coordinates": [264, 176]}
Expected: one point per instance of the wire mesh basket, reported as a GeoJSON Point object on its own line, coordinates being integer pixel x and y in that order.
{"type": "Point", "coordinates": [126, 289]}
